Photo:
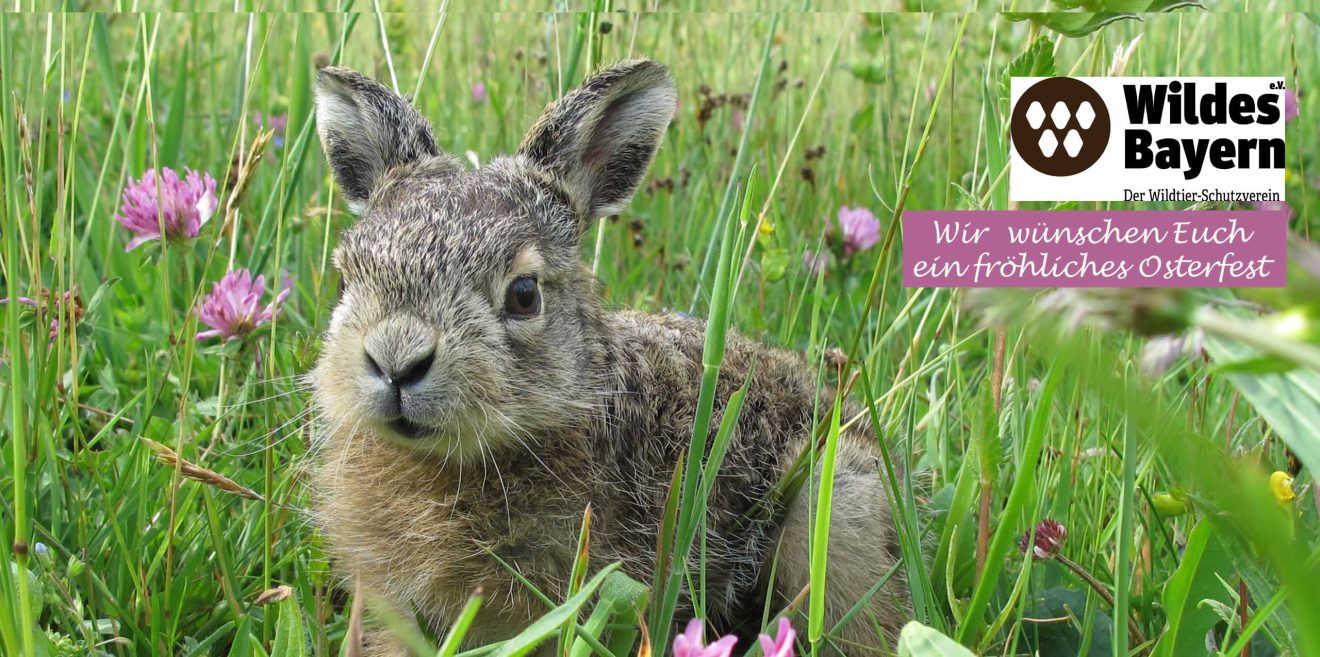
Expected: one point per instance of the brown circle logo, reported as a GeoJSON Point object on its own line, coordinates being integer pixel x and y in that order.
{"type": "Point", "coordinates": [1060, 126]}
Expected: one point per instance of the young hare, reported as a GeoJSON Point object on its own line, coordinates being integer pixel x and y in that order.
{"type": "Point", "coordinates": [475, 397]}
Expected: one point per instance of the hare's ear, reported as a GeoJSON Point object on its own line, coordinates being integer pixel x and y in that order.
{"type": "Point", "coordinates": [366, 130]}
{"type": "Point", "coordinates": [599, 139]}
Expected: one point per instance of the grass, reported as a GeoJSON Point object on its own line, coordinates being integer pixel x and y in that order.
{"type": "Point", "coordinates": [1000, 414]}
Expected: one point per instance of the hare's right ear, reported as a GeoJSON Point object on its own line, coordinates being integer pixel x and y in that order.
{"type": "Point", "coordinates": [366, 130]}
{"type": "Point", "coordinates": [598, 140]}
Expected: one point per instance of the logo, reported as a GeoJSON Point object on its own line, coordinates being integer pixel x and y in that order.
{"type": "Point", "coordinates": [1060, 126]}
{"type": "Point", "coordinates": [1174, 140]}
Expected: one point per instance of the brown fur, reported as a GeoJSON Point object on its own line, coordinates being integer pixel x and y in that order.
{"type": "Point", "coordinates": [524, 421]}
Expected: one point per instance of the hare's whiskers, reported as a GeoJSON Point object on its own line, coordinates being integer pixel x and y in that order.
{"type": "Point", "coordinates": [260, 400]}
{"type": "Point", "coordinates": [259, 441]}
{"type": "Point", "coordinates": [514, 431]}
{"type": "Point", "coordinates": [508, 513]}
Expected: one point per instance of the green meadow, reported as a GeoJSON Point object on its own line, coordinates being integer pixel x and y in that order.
{"type": "Point", "coordinates": [155, 485]}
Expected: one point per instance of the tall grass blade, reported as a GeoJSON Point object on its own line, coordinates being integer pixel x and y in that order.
{"type": "Point", "coordinates": [289, 638]}
{"type": "Point", "coordinates": [544, 627]}
{"type": "Point", "coordinates": [577, 576]}
{"type": "Point", "coordinates": [712, 356]}
{"type": "Point", "coordinates": [820, 538]}
{"type": "Point", "coordinates": [1011, 517]}
{"type": "Point", "coordinates": [461, 626]}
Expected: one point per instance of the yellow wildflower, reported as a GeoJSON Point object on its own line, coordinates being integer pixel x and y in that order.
{"type": "Point", "coordinates": [1281, 486]}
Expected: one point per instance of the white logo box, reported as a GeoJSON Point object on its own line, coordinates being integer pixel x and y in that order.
{"type": "Point", "coordinates": [1109, 180]}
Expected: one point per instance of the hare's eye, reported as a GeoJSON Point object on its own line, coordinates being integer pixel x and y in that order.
{"type": "Point", "coordinates": [523, 299]}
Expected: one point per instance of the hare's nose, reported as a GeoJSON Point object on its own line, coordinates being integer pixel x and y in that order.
{"type": "Point", "coordinates": [401, 372]}
{"type": "Point", "coordinates": [399, 351]}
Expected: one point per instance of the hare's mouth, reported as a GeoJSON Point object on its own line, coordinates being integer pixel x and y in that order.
{"type": "Point", "coordinates": [409, 429]}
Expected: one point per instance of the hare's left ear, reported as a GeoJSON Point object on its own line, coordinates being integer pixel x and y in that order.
{"type": "Point", "coordinates": [598, 140]}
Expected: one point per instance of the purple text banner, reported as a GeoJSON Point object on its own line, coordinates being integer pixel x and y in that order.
{"type": "Point", "coordinates": [1094, 248]}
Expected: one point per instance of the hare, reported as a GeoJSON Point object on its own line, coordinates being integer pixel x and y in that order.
{"type": "Point", "coordinates": [474, 396]}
